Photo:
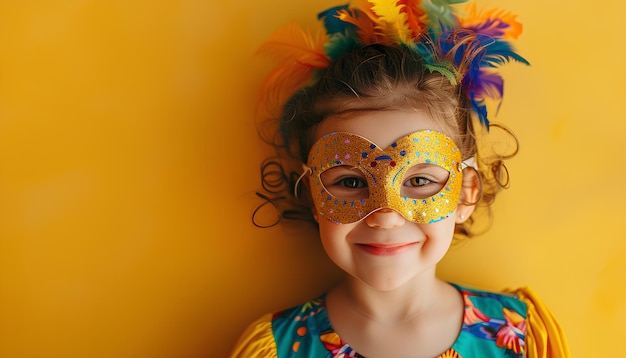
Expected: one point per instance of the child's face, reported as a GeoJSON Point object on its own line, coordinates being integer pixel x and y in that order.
{"type": "Point", "coordinates": [385, 249]}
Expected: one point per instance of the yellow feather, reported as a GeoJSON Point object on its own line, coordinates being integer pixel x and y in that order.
{"type": "Point", "coordinates": [393, 21]}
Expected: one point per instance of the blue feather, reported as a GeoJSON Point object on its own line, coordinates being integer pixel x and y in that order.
{"type": "Point", "coordinates": [479, 107]}
{"type": "Point", "coordinates": [332, 24]}
{"type": "Point", "coordinates": [500, 52]}
{"type": "Point", "coordinates": [341, 43]}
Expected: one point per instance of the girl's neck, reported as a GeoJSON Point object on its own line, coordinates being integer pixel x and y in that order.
{"type": "Point", "coordinates": [406, 302]}
{"type": "Point", "coordinates": [423, 315]}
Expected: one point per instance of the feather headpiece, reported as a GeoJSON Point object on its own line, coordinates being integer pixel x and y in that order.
{"type": "Point", "coordinates": [467, 48]}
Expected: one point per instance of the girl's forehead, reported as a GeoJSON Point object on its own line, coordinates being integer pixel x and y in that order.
{"type": "Point", "coordinates": [380, 127]}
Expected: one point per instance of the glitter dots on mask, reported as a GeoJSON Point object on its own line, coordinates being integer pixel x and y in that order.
{"type": "Point", "coordinates": [419, 176]}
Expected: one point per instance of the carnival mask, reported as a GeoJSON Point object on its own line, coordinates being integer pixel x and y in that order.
{"type": "Point", "coordinates": [418, 176]}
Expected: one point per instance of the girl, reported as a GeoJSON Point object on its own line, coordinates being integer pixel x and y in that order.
{"type": "Point", "coordinates": [380, 113]}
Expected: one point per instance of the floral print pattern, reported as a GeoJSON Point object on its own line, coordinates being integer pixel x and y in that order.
{"type": "Point", "coordinates": [508, 333]}
{"type": "Point", "coordinates": [337, 348]}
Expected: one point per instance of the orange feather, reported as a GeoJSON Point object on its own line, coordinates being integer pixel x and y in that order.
{"type": "Point", "coordinates": [366, 26]}
{"type": "Point", "coordinates": [292, 43]}
{"type": "Point", "coordinates": [299, 54]}
{"type": "Point", "coordinates": [416, 16]}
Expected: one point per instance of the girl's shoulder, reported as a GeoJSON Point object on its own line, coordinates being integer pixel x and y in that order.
{"type": "Point", "coordinates": [304, 329]}
{"type": "Point", "coordinates": [494, 324]}
{"type": "Point", "coordinates": [515, 320]}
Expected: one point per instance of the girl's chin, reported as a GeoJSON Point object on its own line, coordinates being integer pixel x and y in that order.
{"type": "Point", "coordinates": [386, 283]}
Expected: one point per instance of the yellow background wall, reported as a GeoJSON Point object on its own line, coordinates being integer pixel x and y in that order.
{"type": "Point", "coordinates": [129, 159]}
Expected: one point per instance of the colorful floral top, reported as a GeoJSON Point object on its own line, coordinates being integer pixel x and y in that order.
{"type": "Point", "coordinates": [513, 324]}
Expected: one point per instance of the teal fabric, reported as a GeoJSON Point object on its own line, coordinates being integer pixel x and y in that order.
{"type": "Point", "coordinates": [494, 326]}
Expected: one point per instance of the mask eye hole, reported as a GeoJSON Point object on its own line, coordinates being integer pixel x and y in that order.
{"type": "Point", "coordinates": [345, 182]}
{"type": "Point", "coordinates": [423, 181]}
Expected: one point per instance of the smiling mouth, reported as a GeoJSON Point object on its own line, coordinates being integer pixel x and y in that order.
{"type": "Point", "coordinates": [386, 250]}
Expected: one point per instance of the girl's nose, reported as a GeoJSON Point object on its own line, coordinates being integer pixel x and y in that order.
{"type": "Point", "coordinates": [385, 218]}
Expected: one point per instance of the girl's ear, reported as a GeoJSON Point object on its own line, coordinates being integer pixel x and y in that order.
{"type": "Point", "coordinates": [470, 195]}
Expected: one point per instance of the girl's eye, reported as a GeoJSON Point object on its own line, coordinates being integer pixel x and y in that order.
{"type": "Point", "coordinates": [418, 181]}
{"type": "Point", "coordinates": [353, 183]}
{"type": "Point", "coordinates": [423, 181]}
{"type": "Point", "coordinates": [345, 182]}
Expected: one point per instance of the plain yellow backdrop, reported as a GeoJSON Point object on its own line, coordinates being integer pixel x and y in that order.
{"type": "Point", "coordinates": [129, 161]}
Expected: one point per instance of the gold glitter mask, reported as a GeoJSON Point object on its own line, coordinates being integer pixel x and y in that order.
{"type": "Point", "coordinates": [419, 176]}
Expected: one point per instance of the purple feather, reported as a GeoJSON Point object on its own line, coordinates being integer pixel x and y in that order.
{"type": "Point", "coordinates": [494, 28]}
